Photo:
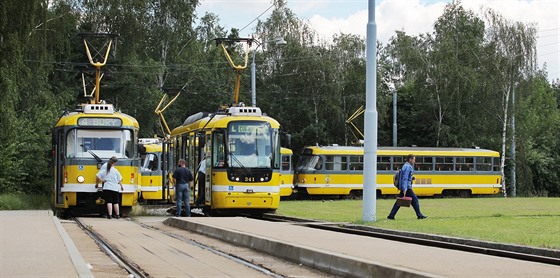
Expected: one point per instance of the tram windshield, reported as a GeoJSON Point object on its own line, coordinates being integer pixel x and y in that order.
{"type": "Point", "coordinates": [309, 163]}
{"type": "Point", "coordinates": [104, 143]}
{"type": "Point", "coordinates": [150, 162]}
{"type": "Point", "coordinates": [250, 145]}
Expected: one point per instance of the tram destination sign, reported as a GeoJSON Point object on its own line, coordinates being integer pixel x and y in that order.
{"type": "Point", "coordinates": [109, 122]}
{"type": "Point", "coordinates": [248, 128]}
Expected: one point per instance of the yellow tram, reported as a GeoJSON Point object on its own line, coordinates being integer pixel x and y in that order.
{"type": "Point", "coordinates": [338, 170]}
{"type": "Point", "coordinates": [84, 139]}
{"type": "Point", "coordinates": [151, 172]}
{"type": "Point", "coordinates": [242, 151]}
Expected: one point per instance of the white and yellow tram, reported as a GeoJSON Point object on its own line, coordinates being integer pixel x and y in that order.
{"type": "Point", "coordinates": [242, 151]}
{"type": "Point", "coordinates": [338, 170]}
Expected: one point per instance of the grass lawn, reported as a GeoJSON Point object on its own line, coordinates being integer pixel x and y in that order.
{"type": "Point", "coordinates": [524, 221]}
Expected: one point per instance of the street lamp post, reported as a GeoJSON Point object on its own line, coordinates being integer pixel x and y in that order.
{"type": "Point", "coordinates": [392, 88]}
{"type": "Point", "coordinates": [278, 41]}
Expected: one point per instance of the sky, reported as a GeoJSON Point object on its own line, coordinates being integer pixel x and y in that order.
{"type": "Point", "coordinates": [414, 17]}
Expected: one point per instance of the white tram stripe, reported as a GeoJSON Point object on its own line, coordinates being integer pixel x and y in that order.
{"type": "Point", "coordinates": [245, 188]}
{"type": "Point", "coordinates": [347, 185]}
{"type": "Point", "coordinates": [81, 187]}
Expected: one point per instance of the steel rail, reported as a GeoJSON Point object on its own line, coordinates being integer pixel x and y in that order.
{"type": "Point", "coordinates": [118, 258]}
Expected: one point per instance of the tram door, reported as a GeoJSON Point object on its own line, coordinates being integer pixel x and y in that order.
{"type": "Point", "coordinates": [208, 177]}
{"type": "Point", "coordinates": [58, 159]}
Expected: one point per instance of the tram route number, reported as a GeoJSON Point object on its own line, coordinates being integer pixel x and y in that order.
{"type": "Point", "coordinates": [100, 122]}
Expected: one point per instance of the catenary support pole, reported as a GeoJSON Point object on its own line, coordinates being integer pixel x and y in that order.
{"type": "Point", "coordinates": [370, 125]}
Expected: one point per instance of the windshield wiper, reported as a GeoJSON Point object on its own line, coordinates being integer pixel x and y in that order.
{"type": "Point", "coordinates": [92, 153]}
{"type": "Point", "coordinates": [247, 171]}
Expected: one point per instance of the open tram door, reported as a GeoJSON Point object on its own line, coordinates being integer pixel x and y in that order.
{"type": "Point", "coordinates": [208, 177]}
{"type": "Point", "coordinates": [58, 162]}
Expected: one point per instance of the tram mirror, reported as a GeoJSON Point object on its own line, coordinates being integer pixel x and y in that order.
{"type": "Point", "coordinates": [99, 165]}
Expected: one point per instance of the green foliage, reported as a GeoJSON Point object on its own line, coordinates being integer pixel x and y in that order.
{"type": "Point", "coordinates": [453, 85]}
{"type": "Point", "coordinates": [24, 202]}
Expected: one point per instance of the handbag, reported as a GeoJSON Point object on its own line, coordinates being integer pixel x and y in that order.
{"type": "Point", "coordinates": [404, 201]}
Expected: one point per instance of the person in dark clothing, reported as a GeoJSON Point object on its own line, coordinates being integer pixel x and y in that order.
{"type": "Point", "coordinates": [405, 186]}
{"type": "Point", "coordinates": [183, 180]}
{"type": "Point", "coordinates": [201, 182]}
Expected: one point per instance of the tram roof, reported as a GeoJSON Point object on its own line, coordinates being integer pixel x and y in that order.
{"type": "Point", "coordinates": [220, 121]}
{"type": "Point", "coordinates": [153, 148]}
{"type": "Point", "coordinates": [286, 151]}
{"type": "Point", "coordinates": [71, 119]}
{"type": "Point", "coordinates": [404, 151]}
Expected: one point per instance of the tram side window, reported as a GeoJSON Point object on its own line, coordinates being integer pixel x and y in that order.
{"type": "Point", "coordinates": [128, 145]}
{"type": "Point", "coordinates": [335, 163]}
{"type": "Point", "coordinates": [383, 163]}
{"type": "Point", "coordinates": [150, 162]}
{"type": "Point", "coordinates": [464, 164]}
{"type": "Point", "coordinates": [218, 150]}
{"type": "Point", "coordinates": [483, 164]}
{"type": "Point", "coordinates": [356, 163]}
{"type": "Point", "coordinates": [496, 163]}
{"type": "Point", "coordinates": [424, 163]}
{"type": "Point", "coordinates": [444, 164]}
{"type": "Point", "coordinates": [309, 163]}
{"type": "Point", "coordinates": [398, 162]}
{"type": "Point", "coordinates": [286, 163]}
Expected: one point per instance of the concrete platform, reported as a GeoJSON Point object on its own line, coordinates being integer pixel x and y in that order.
{"type": "Point", "coordinates": [34, 244]}
{"type": "Point", "coordinates": [358, 256]}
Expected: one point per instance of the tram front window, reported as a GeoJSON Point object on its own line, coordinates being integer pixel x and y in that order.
{"type": "Point", "coordinates": [309, 163]}
{"type": "Point", "coordinates": [250, 145]}
{"type": "Point", "coordinates": [150, 163]}
{"type": "Point", "coordinates": [104, 143]}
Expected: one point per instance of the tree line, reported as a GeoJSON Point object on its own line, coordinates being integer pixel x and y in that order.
{"type": "Point", "coordinates": [458, 86]}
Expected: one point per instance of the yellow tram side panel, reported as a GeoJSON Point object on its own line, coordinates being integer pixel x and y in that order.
{"type": "Point", "coordinates": [286, 177]}
{"type": "Point", "coordinates": [264, 195]}
{"type": "Point", "coordinates": [286, 184]}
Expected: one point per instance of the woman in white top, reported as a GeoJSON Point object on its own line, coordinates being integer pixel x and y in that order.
{"type": "Point", "coordinates": [112, 183]}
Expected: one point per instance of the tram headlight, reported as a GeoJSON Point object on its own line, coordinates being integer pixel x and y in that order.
{"type": "Point", "coordinates": [262, 179]}
{"type": "Point", "coordinates": [80, 179]}
{"type": "Point", "coordinates": [237, 179]}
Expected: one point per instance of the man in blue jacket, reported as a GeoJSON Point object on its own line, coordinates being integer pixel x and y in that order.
{"type": "Point", "coordinates": [405, 186]}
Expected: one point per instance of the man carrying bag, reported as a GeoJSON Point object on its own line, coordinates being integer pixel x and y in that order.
{"type": "Point", "coordinates": [405, 186]}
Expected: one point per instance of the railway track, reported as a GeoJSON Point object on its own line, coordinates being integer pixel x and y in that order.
{"type": "Point", "coordinates": [163, 244]}
{"type": "Point", "coordinates": [525, 253]}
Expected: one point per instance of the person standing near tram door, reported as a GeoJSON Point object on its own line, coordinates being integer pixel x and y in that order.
{"type": "Point", "coordinates": [183, 181]}
{"type": "Point", "coordinates": [111, 179]}
{"type": "Point", "coordinates": [201, 179]}
{"type": "Point", "coordinates": [405, 186]}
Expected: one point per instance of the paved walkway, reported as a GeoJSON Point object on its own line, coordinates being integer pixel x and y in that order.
{"type": "Point", "coordinates": [359, 256]}
{"type": "Point", "coordinates": [34, 244]}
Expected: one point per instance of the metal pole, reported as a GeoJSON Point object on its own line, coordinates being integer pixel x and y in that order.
{"type": "Point", "coordinates": [370, 125]}
{"type": "Point", "coordinates": [394, 117]}
{"type": "Point", "coordinates": [253, 80]}
{"type": "Point", "coordinates": [513, 186]}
